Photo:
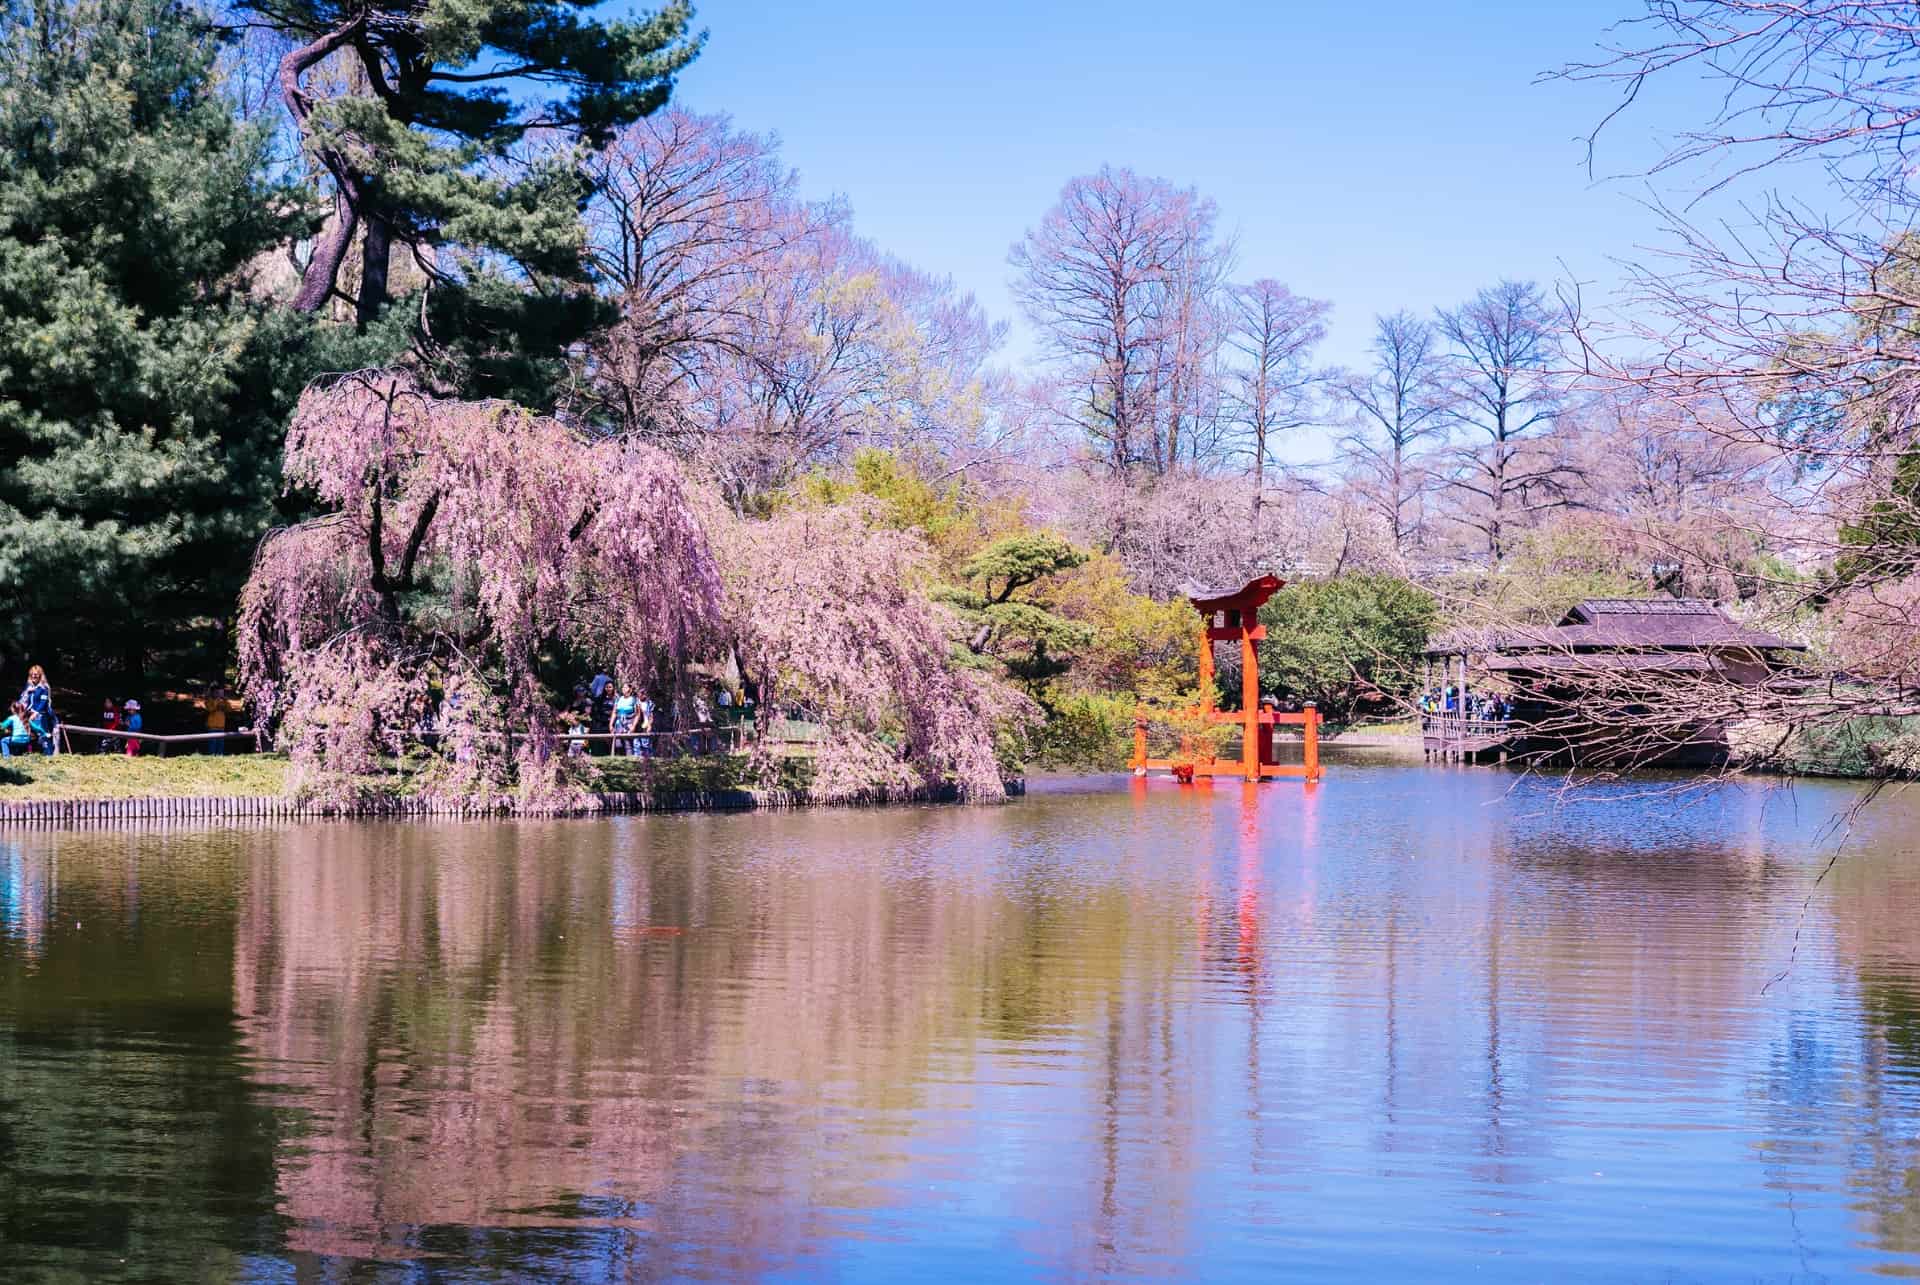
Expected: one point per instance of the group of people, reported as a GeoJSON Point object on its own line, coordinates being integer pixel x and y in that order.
{"type": "Point", "coordinates": [1488, 707]}
{"type": "Point", "coordinates": [31, 726]}
{"type": "Point", "coordinates": [122, 718]}
{"type": "Point", "coordinates": [630, 718]}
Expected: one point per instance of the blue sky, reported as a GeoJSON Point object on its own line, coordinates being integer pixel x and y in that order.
{"type": "Point", "coordinates": [1380, 155]}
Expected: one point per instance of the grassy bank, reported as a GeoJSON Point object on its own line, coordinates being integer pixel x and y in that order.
{"type": "Point", "coordinates": [115, 776]}
{"type": "Point", "coordinates": [1405, 727]}
{"type": "Point", "coordinates": [695, 775]}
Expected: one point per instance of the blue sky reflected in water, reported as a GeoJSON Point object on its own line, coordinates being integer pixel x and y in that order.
{"type": "Point", "coordinates": [1414, 1022]}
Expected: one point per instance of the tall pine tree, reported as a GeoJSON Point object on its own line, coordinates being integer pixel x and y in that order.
{"type": "Point", "coordinates": [142, 391]}
{"type": "Point", "coordinates": [414, 112]}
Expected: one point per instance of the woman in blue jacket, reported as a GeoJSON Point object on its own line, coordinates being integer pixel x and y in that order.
{"type": "Point", "coordinates": [38, 698]}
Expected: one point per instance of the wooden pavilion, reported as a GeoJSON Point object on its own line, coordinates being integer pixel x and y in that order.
{"type": "Point", "coordinates": [1604, 648]}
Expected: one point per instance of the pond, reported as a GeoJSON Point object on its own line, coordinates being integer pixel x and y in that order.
{"type": "Point", "coordinates": [1414, 1022]}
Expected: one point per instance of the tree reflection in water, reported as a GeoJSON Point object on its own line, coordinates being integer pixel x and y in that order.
{"type": "Point", "coordinates": [1126, 1030]}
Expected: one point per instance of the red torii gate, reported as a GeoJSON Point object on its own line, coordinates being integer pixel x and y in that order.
{"type": "Point", "coordinates": [1235, 617]}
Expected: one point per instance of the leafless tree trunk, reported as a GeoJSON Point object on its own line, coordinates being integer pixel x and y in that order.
{"type": "Point", "coordinates": [1399, 404]}
{"type": "Point", "coordinates": [1273, 332]}
{"type": "Point", "coordinates": [1501, 391]}
{"type": "Point", "coordinates": [1119, 278]}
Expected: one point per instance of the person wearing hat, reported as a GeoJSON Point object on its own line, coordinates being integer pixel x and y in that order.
{"type": "Point", "coordinates": [131, 721]}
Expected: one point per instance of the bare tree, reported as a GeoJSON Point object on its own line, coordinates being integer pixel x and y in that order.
{"type": "Point", "coordinates": [1682, 495]}
{"type": "Point", "coordinates": [847, 348]}
{"type": "Point", "coordinates": [1193, 334]}
{"type": "Point", "coordinates": [758, 335]}
{"type": "Point", "coordinates": [1502, 392]}
{"type": "Point", "coordinates": [1647, 460]}
{"type": "Point", "coordinates": [689, 220]}
{"type": "Point", "coordinates": [1798, 79]}
{"type": "Point", "coordinates": [1399, 405]}
{"type": "Point", "coordinates": [1118, 277]}
{"type": "Point", "coordinates": [1273, 332]}
{"type": "Point", "coordinates": [1790, 339]}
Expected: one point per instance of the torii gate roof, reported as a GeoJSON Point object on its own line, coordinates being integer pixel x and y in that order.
{"type": "Point", "coordinates": [1248, 598]}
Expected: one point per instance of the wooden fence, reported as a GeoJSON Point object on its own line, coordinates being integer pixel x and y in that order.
{"type": "Point", "coordinates": [64, 812]}
{"type": "Point", "coordinates": [723, 738]}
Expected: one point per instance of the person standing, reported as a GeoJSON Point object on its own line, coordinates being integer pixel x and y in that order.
{"type": "Point", "coordinates": [130, 719]}
{"type": "Point", "coordinates": [705, 710]}
{"type": "Point", "coordinates": [38, 698]}
{"type": "Point", "coordinates": [626, 717]}
{"type": "Point", "coordinates": [217, 718]}
{"type": "Point", "coordinates": [600, 694]}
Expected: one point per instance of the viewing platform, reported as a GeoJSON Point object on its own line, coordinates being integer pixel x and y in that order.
{"type": "Point", "coordinates": [1452, 736]}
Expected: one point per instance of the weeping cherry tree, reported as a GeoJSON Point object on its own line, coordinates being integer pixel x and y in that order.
{"type": "Point", "coordinates": [464, 539]}
{"type": "Point", "coordinates": [830, 612]}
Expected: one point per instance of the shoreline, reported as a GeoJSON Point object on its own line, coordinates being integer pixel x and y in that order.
{"type": "Point", "coordinates": [266, 807]}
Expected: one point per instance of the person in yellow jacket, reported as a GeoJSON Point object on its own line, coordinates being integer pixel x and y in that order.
{"type": "Point", "coordinates": [216, 703]}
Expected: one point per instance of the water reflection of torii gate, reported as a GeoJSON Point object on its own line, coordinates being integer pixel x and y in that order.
{"type": "Point", "coordinates": [1234, 617]}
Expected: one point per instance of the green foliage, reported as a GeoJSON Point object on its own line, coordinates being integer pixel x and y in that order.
{"type": "Point", "coordinates": [667, 778]}
{"type": "Point", "coordinates": [944, 516]}
{"type": "Point", "coordinates": [1343, 641]}
{"type": "Point", "coordinates": [486, 350]}
{"type": "Point", "coordinates": [1006, 619]}
{"type": "Point", "coordinates": [420, 115]}
{"type": "Point", "coordinates": [1182, 725]}
{"type": "Point", "coordinates": [1864, 746]}
{"type": "Point", "coordinates": [1138, 643]}
{"type": "Point", "coordinates": [1085, 730]}
{"type": "Point", "coordinates": [1010, 564]}
{"type": "Point", "coordinates": [142, 392]}
{"type": "Point", "coordinates": [1886, 539]}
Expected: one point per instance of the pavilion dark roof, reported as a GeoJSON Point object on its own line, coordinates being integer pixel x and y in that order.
{"type": "Point", "coordinates": [1561, 662]}
{"type": "Point", "coordinates": [1601, 625]}
{"type": "Point", "coordinates": [1659, 622]}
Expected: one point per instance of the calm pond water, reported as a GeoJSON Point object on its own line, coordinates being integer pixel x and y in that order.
{"type": "Point", "coordinates": [1415, 1022]}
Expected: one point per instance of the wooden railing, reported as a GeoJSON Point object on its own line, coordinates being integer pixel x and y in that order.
{"type": "Point", "coordinates": [1458, 727]}
{"type": "Point", "coordinates": [728, 737]}
{"type": "Point", "coordinates": [63, 731]}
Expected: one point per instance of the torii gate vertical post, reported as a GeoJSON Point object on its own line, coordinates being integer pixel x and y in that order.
{"type": "Point", "coordinates": [1206, 666]}
{"type": "Point", "coordinates": [1235, 617]}
{"type": "Point", "coordinates": [1250, 702]}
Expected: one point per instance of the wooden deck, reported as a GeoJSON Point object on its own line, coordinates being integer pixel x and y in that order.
{"type": "Point", "coordinates": [1451, 736]}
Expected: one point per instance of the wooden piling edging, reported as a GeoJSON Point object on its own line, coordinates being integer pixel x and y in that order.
{"type": "Point", "coordinates": [99, 813]}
